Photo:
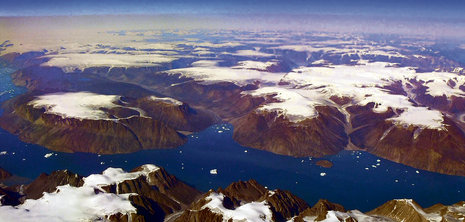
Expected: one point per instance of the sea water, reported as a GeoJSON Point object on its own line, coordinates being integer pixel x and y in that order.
{"type": "Point", "coordinates": [358, 180]}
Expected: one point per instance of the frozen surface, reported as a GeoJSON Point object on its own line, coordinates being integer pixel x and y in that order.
{"type": "Point", "coordinates": [86, 203]}
{"type": "Point", "coordinates": [80, 105]}
{"type": "Point", "coordinates": [254, 211]}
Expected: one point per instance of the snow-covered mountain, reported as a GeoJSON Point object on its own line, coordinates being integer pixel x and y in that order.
{"type": "Point", "coordinates": [311, 95]}
{"type": "Point", "coordinates": [149, 193]}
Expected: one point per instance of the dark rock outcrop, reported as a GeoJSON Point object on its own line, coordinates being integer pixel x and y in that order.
{"type": "Point", "coordinates": [4, 174]}
{"type": "Point", "coordinates": [179, 116]}
{"type": "Point", "coordinates": [9, 196]}
{"type": "Point", "coordinates": [324, 163]}
{"type": "Point", "coordinates": [49, 183]}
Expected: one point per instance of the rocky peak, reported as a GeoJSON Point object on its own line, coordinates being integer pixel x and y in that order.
{"type": "Point", "coordinates": [49, 183]}
{"type": "Point", "coordinates": [230, 204]}
{"type": "Point", "coordinates": [285, 205]}
{"type": "Point", "coordinates": [147, 193]}
{"type": "Point", "coordinates": [319, 210]}
{"type": "Point", "coordinates": [246, 191]}
{"type": "Point", "coordinates": [172, 187]}
{"type": "Point", "coordinates": [455, 212]}
{"type": "Point", "coordinates": [404, 210]}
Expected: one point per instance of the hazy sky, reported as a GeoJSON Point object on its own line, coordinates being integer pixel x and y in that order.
{"type": "Point", "coordinates": [395, 8]}
{"type": "Point", "coordinates": [425, 17]}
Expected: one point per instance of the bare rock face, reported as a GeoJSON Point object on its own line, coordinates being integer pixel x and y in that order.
{"type": "Point", "coordinates": [319, 210]}
{"type": "Point", "coordinates": [317, 137]}
{"type": "Point", "coordinates": [409, 210]}
{"type": "Point", "coordinates": [282, 204]}
{"type": "Point", "coordinates": [48, 183]}
{"type": "Point", "coordinates": [247, 191]}
{"type": "Point", "coordinates": [154, 123]}
{"type": "Point", "coordinates": [449, 213]}
{"type": "Point", "coordinates": [45, 183]}
{"type": "Point", "coordinates": [203, 215]}
{"type": "Point", "coordinates": [4, 174]}
{"type": "Point", "coordinates": [433, 150]}
{"type": "Point", "coordinates": [285, 205]}
{"type": "Point", "coordinates": [158, 195]}
{"type": "Point", "coordinates": [176, 114]}
{"type": "Point", "coordinates": [437, 150]}
{"type": "Point", "coordinates": [224, 99]}
{"type": "Point", "coordinates": [402, 210]}
{"type": "Point", "coordinates": [172, 187]}
{"type": "Point", "coordinates": [150, 203]}
{"type": "Point", "coordinates": [392, 211]}
{"type": "Point", "coordinates": [105, 136]}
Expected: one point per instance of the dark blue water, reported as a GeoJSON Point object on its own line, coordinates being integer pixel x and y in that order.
{"type": "Point", "coordinates": [7, 89]}
{"type": "Point", "coordinates": [357, 180]}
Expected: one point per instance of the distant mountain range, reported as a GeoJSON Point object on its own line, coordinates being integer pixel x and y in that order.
{"type": "Point", "coordinates": [402, 99]}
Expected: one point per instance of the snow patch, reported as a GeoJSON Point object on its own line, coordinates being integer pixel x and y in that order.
{"type": "Point", "coordinates": [256, 65]}
{"type": "Point", "coordinates": [420, 116]}
{"type": "Point", "coordinates": [364, 84]}
{"type": "Point", "coordinates": [429, 217]}
{"type": "Point", "coordinates": [212, 74]}
{"type": "Point", "coordinates": [117, 175]}
{"type": "Point", "coordinates": [69, 204]}
{"type": "Point", "coordinates": [295, 104]}
{"type": "Point", "coordinates": [78, 203]}
{"type": "Point", "coordinates": [254, 211]}
{"type": "Point", "coordinates": [205, 63]}
{"type": "Point", "coordinates": [166, 100]}
{"type": "Point", "coordinates": [80, 105]}
{"type": "Point", "coordinates": [80, 61]}
{"type": "Point", "coordinates": [252, 53]}
{"type": "Point", "coordinates": [336, 216]}
{"type": "Point", "coordinates": [213, 45]}
{"type": "Point", "coordinates": [437, 83]}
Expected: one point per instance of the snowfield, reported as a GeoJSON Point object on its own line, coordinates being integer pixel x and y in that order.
{"type": "Point", "coordinates": [245, 60]}
{"type": "Point", "coordinates": [254, 211]}
{"type": "Point", "coordinates": [79, 105]}
{"type": "Point", "coordinates": [87, 105]}
{"type": "Point", "coordinates": [72, 62]}
{"type": "Point", "coordinates": [79, 203]}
